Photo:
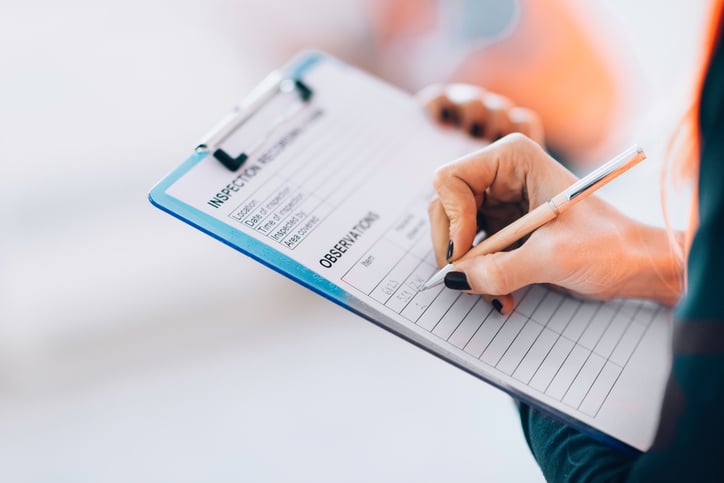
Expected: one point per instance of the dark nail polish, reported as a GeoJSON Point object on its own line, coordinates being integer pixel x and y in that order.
{"type": "Point", "coordinates": [445, 114]}
{"type": "Point", "coordinates": [457, 281]}
{"type": "Point", "coordinates": [497, 305]}
{"type": "Point", "coordinates": [450, 248]}
{"type": "Point", "coordinates": [480, 220]}
{"type": "Point", "coordinates": [476, 130]}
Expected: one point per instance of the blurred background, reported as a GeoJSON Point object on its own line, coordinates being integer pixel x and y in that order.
{"type": "Point", "coordinates": [134, 348]}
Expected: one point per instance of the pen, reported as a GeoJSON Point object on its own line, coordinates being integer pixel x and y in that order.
{"type": "Point", "coordinates": [548, 210]}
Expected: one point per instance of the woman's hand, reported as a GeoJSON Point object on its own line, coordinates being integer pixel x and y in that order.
{"type": "Point", "coordinates": [591, 249]}
{"type": "Point", "coordinates": [480, 113]}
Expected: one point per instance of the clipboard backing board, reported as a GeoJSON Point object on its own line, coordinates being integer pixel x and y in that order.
{"type": "Point", "coordinates": [331, 191]}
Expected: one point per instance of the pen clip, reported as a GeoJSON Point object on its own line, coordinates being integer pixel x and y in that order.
{"type": "Point", "coordinates": [272, 86]}
{"type": "Point", "coordinates": [606, 173]}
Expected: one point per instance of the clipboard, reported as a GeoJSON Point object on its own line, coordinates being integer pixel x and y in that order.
{"type": "Point", "coordinates": [323, 174]}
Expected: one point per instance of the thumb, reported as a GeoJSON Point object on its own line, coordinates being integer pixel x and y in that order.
{"type": "Point", "coordinates": [501, 273]}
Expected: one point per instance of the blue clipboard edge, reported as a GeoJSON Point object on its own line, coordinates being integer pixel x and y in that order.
{"type": "Point", "coordinates": [289, 268]}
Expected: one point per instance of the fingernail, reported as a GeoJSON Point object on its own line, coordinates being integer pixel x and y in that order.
{"type": "Point", "coordinates": [497, 305]}
{"type": "Point", "coordinates": [445, 114]}
{"type": "Point", "coordinates": [480, 221]}
{"type": "Point", "coordinates": [476, 130]}
{"type": "Point", "coordinates": [450, 248]}
{"type": "Point", "coordinates": [457, 281]}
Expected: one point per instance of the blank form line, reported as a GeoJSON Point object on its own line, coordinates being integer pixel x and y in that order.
{"type": "Point", "coordinates": [445, 313]}
{"type": "Point", "coordinates": [529, 349]}
{"type": "Point", "coordinates": [576, 376]}
{"type": "Point", "coordinates": [548, 352]}
{"type": "Point", "coordinates": [641, 337]}
{"type": "Point", "coordinates": [573, 317]}
{"type": "Point", "coordinates": [559, 368]}
{"type": "Point", "coordinates": [462, 319]}
{"type": "Point", "coordinates": [600, 371]}
{"type": "Point", "coordinates": [487, 316]}
{"type": "Point", "coordinates": [528, 320]}
{"type": "Point", "coordinates": [493, 338]}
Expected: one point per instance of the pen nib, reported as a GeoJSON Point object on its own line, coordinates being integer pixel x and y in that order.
{"type": "Point", "coordinates": [438, 277]}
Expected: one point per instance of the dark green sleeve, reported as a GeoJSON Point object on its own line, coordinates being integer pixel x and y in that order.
{"type": "Point", "coordinates": [689, 444]}
{"type": "Point", "coordinates": [566, 455]}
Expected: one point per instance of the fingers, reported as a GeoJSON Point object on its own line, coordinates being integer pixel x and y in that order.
{"type": "Point", "coordinates": [526, 121]}
{"type": "Point", "coordinates": [496, 276]}
{"type": "Point", "coordinates": [456, 209]}
{"type": "Point", "coordinates": [501, 273]}
{"type": "Point", "coordinates": [496, 118]}
{"type": "Point", "coordinates": [440, 227]}
{"type": "Point", "coordinates": [437, 105]}
{"type": "Point", "coordinates": [501, 169]}
{"type": "Point", "coordinates": [458, 280]}
{"type": "Point", "coordinates": [462, 186]}
{"type": "Point", "coordinates": [500, 183]}
{"type": "Point", "coordinates": [480, 113]}
{"type": "Point", "coordinates": [502, 303]}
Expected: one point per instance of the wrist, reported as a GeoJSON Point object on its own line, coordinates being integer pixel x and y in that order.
{"type": "Point", "coordinates": [656, 264]}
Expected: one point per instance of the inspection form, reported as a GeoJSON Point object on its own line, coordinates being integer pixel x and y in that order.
{"type": "Point", "coordinates": [334, 194]}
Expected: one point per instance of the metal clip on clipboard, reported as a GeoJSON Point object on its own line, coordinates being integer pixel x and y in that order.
{"type": "Point", "coordinates": [272, 86]}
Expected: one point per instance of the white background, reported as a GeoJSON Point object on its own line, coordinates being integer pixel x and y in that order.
{"type": "Point", "coordinates": [134, 348]}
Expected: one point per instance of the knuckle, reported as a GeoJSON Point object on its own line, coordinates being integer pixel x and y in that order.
{"type": "Point", "coordinates": [497, 102]}
{"type": "Point", "coordinates": [533, 117]}
{"type": "Point", "coordinates": [461, 92]}
{"type": "Point", "coordinates": [523, 145]}
{"type": "Point", "coordinates": [440, 177]}
{"type": "Point", "coordinates": [430, 93]}
{"type": "Point", "coordinates": [522, 114]}
{"type": "Point", "coordinates": [518, 139]}
{"type": "Point", "coordinates": [524, 129]}
{"type": "Point", "coordinates": [527, 122]}
{"type": "Point", "coordinates": [553, 244]}
{"type": "Point", "coordinates": [473, 109]}
{"type": "Point", "coordinates": [496, 280]}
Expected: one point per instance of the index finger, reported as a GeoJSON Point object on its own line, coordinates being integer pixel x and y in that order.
{"type": "Point", "coordinates": [461, 186]}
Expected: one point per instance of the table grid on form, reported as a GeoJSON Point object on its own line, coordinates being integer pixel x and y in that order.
{"type": "Point", "coordinates": [304, 191]}
{"type": "Point", "coordinates": [572, 350]}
